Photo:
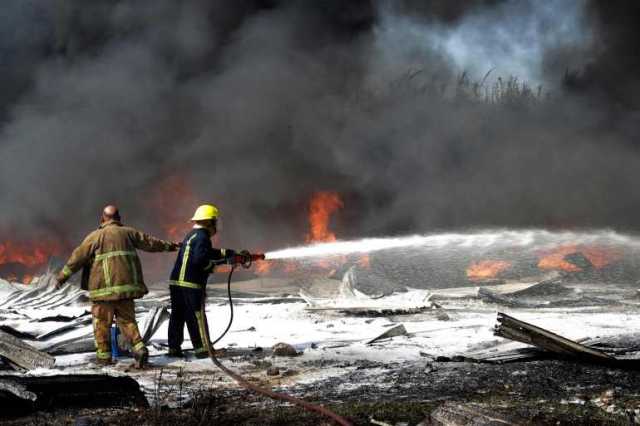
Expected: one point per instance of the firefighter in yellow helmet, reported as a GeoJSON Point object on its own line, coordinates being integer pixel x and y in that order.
{"type": "Point", "coordinates": [196, 259]}
{"type": "Point", "coordinates": [115, 279]}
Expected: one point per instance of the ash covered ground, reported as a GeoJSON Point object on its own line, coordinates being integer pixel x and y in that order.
{"type": "Point", "coordinates": [445, 355]}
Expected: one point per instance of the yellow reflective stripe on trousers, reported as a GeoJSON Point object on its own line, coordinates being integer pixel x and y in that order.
{"type": "Point", "coordinates": [202, 326]}
{"type": "Point", "coordinates": [105, 264]}
{"type": "Point", "coordinates": [185, 259]}
{"type": "Point", "coordinates": [103, 355]}
{"type": "Point", "coordinates": [138, 346]}
{"type": "Point", "coordinates": [186, 284]}
{"type": "Point", "coordinates": [102, 292]}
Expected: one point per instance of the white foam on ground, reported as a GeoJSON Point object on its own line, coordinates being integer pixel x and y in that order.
{"type": "Point", "coordinates": [323, 335]}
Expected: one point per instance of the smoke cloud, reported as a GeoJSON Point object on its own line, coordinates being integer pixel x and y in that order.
{"type": "Point", "coordinates": [255, 105]}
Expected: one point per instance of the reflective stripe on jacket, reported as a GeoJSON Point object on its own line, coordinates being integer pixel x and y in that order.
{"type": "Point", "coordinates": [197, 259]}
{"type": "Point", "coordinates": [115, 269]}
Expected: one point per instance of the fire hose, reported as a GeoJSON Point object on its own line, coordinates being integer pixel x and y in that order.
{"type": "Point", "coordinates": [246, 263]}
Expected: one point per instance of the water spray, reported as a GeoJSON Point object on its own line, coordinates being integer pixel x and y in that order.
{"type": "Point", "coordinates": [534, 239]}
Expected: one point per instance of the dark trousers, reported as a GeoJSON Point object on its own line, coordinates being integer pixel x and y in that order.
{"type": "Point", "coordinates": [185, 308]}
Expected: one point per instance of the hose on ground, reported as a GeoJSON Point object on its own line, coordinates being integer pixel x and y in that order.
{"type": "Point", "coordinates": [253, 387]}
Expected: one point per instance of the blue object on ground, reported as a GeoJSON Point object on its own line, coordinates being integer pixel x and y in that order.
{"type": "Point", "coordinates": [115, 353]}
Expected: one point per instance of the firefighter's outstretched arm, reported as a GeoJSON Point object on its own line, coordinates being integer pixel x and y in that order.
{"type": "Point", "coordinates": [146, 242]}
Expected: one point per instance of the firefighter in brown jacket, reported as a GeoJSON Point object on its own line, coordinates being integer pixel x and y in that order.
{"type": "Point", "coordinates": [114, 280]}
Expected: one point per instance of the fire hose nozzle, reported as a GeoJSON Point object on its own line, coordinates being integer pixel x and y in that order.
{"type": "Point", "coordinates": [245, 258]}
{"type": "Point", "coordinates": [257, 256]}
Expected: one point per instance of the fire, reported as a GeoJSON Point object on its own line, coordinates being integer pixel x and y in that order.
{"type": "Point", "coordinates": [599, 257]}
{"type": "Point", "coordinates": [322, 206]}
{"type": "Point", "coordinates": [262, 267]}
{"type": "Point", "coordinates": [30, 254]}
{"type": "Point", "coordinates": [364, 261]}
{"type": "Point", "coordinates": [20, 261]}
{"type": "Point", "coordinates": [486, 269]}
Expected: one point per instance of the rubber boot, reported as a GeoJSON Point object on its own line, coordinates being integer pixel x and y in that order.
{"type": "Point", "coordinates": [142, 358]}
{"type": "Point", "coordinates": [175, 353]}
{"type": "Point", "coordinates": [104, 362]}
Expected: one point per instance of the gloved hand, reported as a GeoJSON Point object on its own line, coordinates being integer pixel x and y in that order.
{"type": "Point", "coordinates": [60, 279]}
{"type": "Point", "coordinates": [245, 258]}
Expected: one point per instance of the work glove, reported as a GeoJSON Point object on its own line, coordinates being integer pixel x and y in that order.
{"type": "Point", "coordinates": [60, 279]}
{"type": "Point", "coordinates": [242, 258]}
{"type": "Point", "coordinates": [175, 246]}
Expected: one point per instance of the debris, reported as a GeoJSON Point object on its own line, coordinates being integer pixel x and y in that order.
{"type": "Point", "coordinates": [545, 288]}
{"type": "Point", "coordinates": [17, 389]}
{"type": "Point", "coordinates": [367, 282]}
{"type": "Point", "coordinates": [22, 355]}
{"type": "Point", "coordinates": [273, 371]}
{"type": "Point", "coordinates": [284, 349]}
{"type": "Point", "coordinates": [20, 395]}
{"type": "Point", "coordinates": [153, 320]}
{"type": "Point", "coordinates": [82, 320]}
{"type": "Point", "coordinates": [513, 329]}
{"type": "Point", "coordinates": [502, 357]}
{"type": "Point", "coordinates": [455, 414]}
{"type": "Point", "coordinates": [16, 333]}
{"type": "Point", "coordinates": [43, 295]}
{"type": "Point", "coordinates": [61, 318]}
{"type": "Point", "coordinates": [398, 330]}
{"type": "Point", "coordinates": [74, 345]}
{"type": "Point", "coordinates": [381, 312]}
{"type": "Point", "coordinates": [378, 423]}
{"type": "Point", "coordinates": [499, 299]}
{"type": "Point", "coordinates": [441, 315]}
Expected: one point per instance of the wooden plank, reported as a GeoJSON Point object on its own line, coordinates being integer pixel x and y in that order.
{"type": "Point", "coordinates": [513, 329]}
{"type": "Point", "coordinates": [22, 354]}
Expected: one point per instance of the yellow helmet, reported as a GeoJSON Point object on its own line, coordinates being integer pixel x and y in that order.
{"type": "Point", "coordinates": [205, 212]}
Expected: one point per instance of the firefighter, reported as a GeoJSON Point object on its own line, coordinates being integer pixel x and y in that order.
{"type": "Point", "coordinates": [109, 256]}
{"type": "Point", "coordinates": [196, 260]}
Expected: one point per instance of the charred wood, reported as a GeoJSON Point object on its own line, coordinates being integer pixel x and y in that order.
{"type": "Point", "coordinates": [513, 329]}
{"type": "Point", "coordinates": [23, 355]}
{"type": "Point", "coordinates": [20, 395]}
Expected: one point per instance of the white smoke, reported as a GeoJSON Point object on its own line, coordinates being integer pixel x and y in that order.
{"type": "Point", "coordinates": [510, 38]}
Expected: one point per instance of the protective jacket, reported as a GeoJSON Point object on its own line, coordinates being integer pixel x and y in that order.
{"type": "Point", "coordinates": [109, 253]}
{"type": "Point", "coordinates": [197, 259]}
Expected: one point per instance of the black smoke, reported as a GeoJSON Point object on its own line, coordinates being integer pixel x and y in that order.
{"type": "Point", "coordinates": [258, 104]}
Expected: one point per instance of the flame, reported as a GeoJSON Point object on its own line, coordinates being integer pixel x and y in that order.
{"type": "Point", "coordinates": [364, 261]}
{"type": "Point", "coordinates": [486, 269]}
{"type": "Point", "coordinates": [322, 206]}
{"type": "Point", "coordinates": [31, 255]}
{"type": "Point", "coordinates": [262, 267]}
{"type": "Point", "coordinates": [599, 257]}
